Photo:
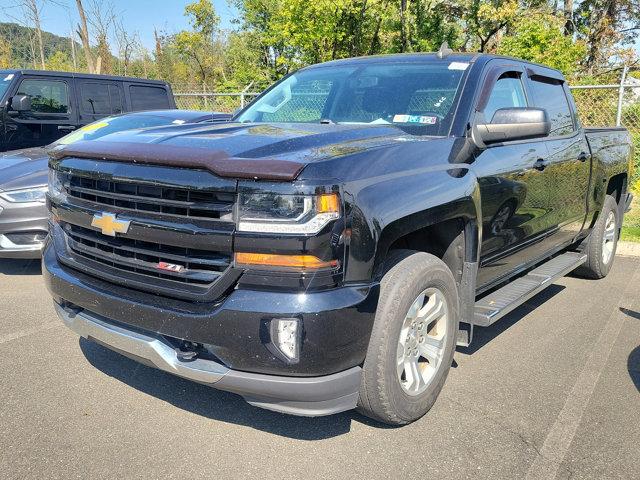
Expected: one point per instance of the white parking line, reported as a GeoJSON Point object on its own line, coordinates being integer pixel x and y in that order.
{"type": "Point", "coordinates": [560, 436]}
{"type": "Point", "coordinates": [29, 331]}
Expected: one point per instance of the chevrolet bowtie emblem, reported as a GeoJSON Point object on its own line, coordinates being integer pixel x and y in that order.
{"type": "Point", "coordinates": [109, 224]}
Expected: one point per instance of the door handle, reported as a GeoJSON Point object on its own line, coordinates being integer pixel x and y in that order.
{"type": "Point", "coordinates": [583, 157]}
{"type": "Point", "coordinates": [66, 127]}
{"type": "Point", "coordinates": [540, 164]}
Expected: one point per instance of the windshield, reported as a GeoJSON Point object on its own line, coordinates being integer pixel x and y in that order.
{"type": "Point", "coordinates": [109, 125]}
{"type": "Point", "coordinates": [415, 97]}
{"type": "Point", "coordinates": [5, 81]}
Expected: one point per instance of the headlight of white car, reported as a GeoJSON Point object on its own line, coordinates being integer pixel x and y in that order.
{"type": "Point", "coordinates": [26, 195]}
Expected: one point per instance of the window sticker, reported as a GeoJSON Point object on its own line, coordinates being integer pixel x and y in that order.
{"type": "Point", "coordinates": [178, 122]}
{"type": "Point", "coordinates": [439, 102]}
{"type": "Point", "coordinates": [8, 77]}
{"type": "Point", "coordinates": [81, 133]}
{"type": "Point", "coordinates": [92, 127]}
{"type": "Point", "coordinates": [458, 65]}
{"type": "Point", "coordinates": [420, 119]}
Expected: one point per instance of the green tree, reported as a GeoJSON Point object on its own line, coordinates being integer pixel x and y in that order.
{"type": "Point", "coordinates": [203, 17]}
{"type": "Point", "coordinates": [243, 62]}
{"type": "Point", "coordinates": [486, 19]}
{"type": "Point", "coordinates": [5, 54]}
{"type": "Point", "coordinates": [539, 38]}
{"type": "Point", "coordinates": [60, 61]}
{"type": "Point", "coordinates": [202, 46]}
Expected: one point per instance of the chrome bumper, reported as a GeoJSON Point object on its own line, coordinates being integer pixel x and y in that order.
{"type": "Point", "coordinates": [308, 396]}
{"type": "Point", "coordinates": [141, 346]}
{"type": "Point", "coordinates": [8, 249]}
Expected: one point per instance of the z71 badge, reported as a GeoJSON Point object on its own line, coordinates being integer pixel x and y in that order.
{"type": "Point", "coordinates": [172, 267]}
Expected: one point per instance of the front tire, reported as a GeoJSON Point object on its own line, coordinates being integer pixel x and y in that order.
{"type": "Point", "coordinates": [602, 242]}
{"type": "Point", "coordinates": [413, 340]}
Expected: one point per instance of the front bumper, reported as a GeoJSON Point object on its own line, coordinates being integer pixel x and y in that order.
{"type": "Point", "coordinates": [299, 396]}
{"type": "Point", "coordinates": [336, 326]}
{"type": "Point", "coordinates": [21, 218]}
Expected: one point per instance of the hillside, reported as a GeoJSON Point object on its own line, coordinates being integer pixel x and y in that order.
{"type": "Point", "coordinates": [19, 38]}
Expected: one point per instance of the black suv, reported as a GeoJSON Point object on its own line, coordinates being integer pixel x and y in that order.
{"type": "Point", "coordinates": [38, 107]}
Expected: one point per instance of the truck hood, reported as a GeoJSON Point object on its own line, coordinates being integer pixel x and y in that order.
{"type": "Point", "coordinates": [23, 168]}
{"type": "Point", "coordinates": [258, 151]}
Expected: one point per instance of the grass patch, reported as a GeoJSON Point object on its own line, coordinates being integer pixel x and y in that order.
{"type": "Point", "coordinates": [630, 234]}
{"type": "Point", "coordinates": [631, 226]}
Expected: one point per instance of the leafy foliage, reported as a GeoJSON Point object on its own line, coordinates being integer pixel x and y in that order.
{"type": "Point", "coordinates": [539, 38]}
{"type": "Point", "coordinates": [274, 37]}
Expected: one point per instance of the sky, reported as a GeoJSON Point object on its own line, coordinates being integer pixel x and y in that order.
{"type": "Point", "coordinates": [136, 15]}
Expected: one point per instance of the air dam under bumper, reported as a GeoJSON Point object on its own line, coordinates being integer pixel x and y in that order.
{"type": "Point", "coordinates": [22, 218]}
{"type": "Point", "coordinates": [310, 396]}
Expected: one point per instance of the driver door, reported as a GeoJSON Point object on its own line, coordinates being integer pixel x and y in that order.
{"type": "Point", "coordinates": [51, 114]}
{"type": "Point", "coordinates": [515, 201]}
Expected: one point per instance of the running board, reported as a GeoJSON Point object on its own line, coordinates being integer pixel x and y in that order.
{"type": "Point", "coordinates": [496, 305]}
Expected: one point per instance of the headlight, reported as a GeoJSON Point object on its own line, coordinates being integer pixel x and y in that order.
{"type": "Point", "coordinates": [55, 185]}
{"type": "Point", "coordinates": [26, 195]}
{"type": "Point", "coordinates": [277, 213]}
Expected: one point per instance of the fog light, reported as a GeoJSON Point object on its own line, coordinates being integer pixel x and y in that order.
{"type": "Point", "coordinates": [285, 337]}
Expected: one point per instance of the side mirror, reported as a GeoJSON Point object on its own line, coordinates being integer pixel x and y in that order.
{"type": "Point", "coordinates": [514, 124]}
{"type": "Point", "coordinates": [21, 103]}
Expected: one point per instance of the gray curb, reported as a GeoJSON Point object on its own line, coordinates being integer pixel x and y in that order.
{"type": "Point", "coordinates": [628, 249]}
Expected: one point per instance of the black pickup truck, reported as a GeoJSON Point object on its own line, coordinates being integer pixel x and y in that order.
{"type": "Point", "coordinates": [330, 247]}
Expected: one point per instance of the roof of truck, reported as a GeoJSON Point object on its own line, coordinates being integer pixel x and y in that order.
{"type": "Point", "coordinates": [51, 73]}
{"type": "Point", "coordinates": [433, 57]}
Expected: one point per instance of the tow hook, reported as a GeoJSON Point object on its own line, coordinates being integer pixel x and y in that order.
{"type": "Point", "coordinates": [187, 351]}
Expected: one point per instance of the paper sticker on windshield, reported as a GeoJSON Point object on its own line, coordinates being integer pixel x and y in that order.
{"type": "Point", "coordinates": [92, 127]}
{"type": "Point", "coordinates": [458, 66]}
{"type": "Point", "coordinates": [420, 119]}
{"type": "Point", "coordinates": [8, 77]}
{"type": "Point", "coordinates": [178, 122]}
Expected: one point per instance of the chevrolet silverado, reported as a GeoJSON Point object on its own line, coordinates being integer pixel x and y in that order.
{"type": "Point", "coordinates": [331, 246]}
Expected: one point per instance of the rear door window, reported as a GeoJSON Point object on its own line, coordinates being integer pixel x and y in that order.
{"type": "Point", "coordinates": [100, 98]}
{"type": "Point", "coordinates": [148, 98]}
{"type": "Point", "coordinates": [47, 96]}
{"type": "Point", "coordinates": [549, 94]}
{"type": "Point", "coordinates": [116, 99]}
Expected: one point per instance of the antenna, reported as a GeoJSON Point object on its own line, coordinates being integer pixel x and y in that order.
{"type": "Point", "coordinates": [444, 51]}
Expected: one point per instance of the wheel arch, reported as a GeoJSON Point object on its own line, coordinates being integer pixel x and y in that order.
{"type": "Point", "coordinates": [451, 232]}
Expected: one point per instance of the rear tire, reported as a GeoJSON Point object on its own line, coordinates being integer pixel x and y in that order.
{"type": "Point", "coordinates": [602, 242]}
{"type": "Point", "coordinates": [413, 339]}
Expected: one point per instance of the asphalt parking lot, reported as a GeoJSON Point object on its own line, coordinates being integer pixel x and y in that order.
{"type": "Point", "coordinates": [551, 391]}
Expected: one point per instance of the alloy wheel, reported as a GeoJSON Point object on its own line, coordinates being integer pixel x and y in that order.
{"type": "Point", "coordinates": [422, 341]}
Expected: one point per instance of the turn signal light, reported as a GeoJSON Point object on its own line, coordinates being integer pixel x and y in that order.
{"type": "Point", "coordinates": [328, 203]}
{"type": "Point", "coordinates": [291, 261]}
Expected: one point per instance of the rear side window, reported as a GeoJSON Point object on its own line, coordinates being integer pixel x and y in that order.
{"type": "Point", "coordinates": [549, 94]}
{"type": "Point", "coordinates": [116, 99]}
{"type": "Point", "coordinates": [100, 98]}
{"type": "Point", "coordinates": [508, 92]}
{"type": "Point", "coordinates": [47, 96]}
{"type": "Point", "coordinates": [148, 98]}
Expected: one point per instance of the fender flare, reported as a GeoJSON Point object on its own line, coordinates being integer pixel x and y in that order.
{"type": "Point", "coordinates": [468, 210]}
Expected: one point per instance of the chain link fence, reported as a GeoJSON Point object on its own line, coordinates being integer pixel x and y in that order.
{"type": "Point", "coordinates": [611, 105]}
{"type": "Point", "coordinates": [218, 102]}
